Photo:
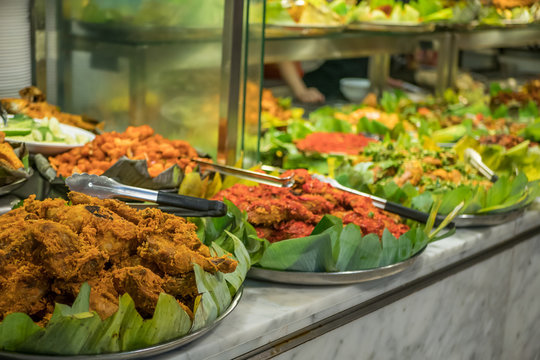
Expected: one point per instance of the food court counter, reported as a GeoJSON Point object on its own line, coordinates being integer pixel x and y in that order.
{"type": "Point", "coordinates": [472, 295]}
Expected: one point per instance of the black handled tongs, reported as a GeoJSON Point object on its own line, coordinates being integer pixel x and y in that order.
{"type": "Point", "coordinates": [475, 159]}
{"type": "Point", "coordinates": [384, 204]}
{"type": "Point", "coordinates": [105, 188]}
{"type": "Point", "coordinates": [248, 174]}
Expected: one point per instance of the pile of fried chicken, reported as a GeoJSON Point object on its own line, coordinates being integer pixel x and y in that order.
{"type": "Point", "coordinates": [279, 213]}
{"type": "Point", "coordinates": [49, 248]}
{"type": "Point", "coordinates": [137, 143]}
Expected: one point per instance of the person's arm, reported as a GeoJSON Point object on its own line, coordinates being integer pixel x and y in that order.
{"type": "Point", "coordinates": [290, 75]}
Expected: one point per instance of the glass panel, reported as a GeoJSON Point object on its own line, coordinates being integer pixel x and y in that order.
{"type": "Point", "coordinates": [154, 62]}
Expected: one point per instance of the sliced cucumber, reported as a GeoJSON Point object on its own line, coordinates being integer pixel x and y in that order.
{"type": "Point", "coordinates": [16, 131]}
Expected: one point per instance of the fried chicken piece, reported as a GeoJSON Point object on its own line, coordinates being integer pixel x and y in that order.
{"type": "Point", "coordinates": [35, 209]}
{"type": "Point", "coordinates": [14, 106]}
{"type": "Point", "coordinates": [8, 157]}
{"type": "Point", "coordinates": [23, 290]}
{"type": "Point", "coordinates": [175, 259]}
{"type": "Point", "coordinates": [178, 229]}
{"type": "Point", "coordinates": [64, 254]}
{"type": "Point", "coordinates": [183, 286]}
{"type": "Point", "coordinates": [171, 243]}
{"type": "Point", "coordinates": [101, 227]}
{"type": "Point", "coordinates": [104, 295]}
{"type": "Point", "coordinates": [120, 208]}
{"type": "Point", "coordinates": [32, 94]}
{"type": "Point", "coordinates": [141, 284]}
{"type": "Point", "coordinates": [15, 244]}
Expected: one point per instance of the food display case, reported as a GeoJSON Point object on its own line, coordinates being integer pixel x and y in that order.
{"type": "Point", "coordinates": [182, 68]}
{"type": "Point", "coordinates": [378, 45]}
{"type": "Point", "coordinates": [378, 229]}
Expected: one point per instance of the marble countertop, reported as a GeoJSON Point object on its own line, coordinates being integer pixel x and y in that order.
{"type": "Point", "coordinates": [269, 311]}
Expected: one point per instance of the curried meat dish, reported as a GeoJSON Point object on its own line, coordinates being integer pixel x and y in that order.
{"type": "Point", "coordinates": [137, 143]}
{"type": "Point", "coordinates": [116, 249]}
{"type": "Point", "coordinates": [284, 213]}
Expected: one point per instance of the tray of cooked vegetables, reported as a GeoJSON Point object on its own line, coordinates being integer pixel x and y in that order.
{"type": "Point", "coordinates": [410, 165]}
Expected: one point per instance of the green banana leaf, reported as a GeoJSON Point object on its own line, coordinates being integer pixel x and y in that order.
{"type": "Point", "coordinates": [75, 330]}
{"type": "Point", "coordinates": [520, 158]}
{"type": "Point", "coordinates": [508, 193]}
{"type": "Point", "coordinates": [330, 247]}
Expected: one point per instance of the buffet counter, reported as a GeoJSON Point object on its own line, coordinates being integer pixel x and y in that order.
{"type": "Point", "coordinates": [470, 295]}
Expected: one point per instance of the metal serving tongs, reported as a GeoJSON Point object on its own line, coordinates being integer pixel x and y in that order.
{"type": "Point", "coordinates": [248, 174]}
{"type": "Point", "coordinates": [105, 188]}
{"type": "Point", "coordinates": [475, 159]}
{"type": "Point", "coordinates": [384, 204]}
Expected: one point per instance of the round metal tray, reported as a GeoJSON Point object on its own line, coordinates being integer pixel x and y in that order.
{"type": "Point", "coordinates": [391, 27]}
{"type": "Point", "coordinates": [331, 278]}
{"type": "Point", "coordinates": [493, 219]}
{"type": "Point", "coordinates": [135, 354]}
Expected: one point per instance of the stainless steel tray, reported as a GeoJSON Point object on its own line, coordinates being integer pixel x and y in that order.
{"type": "Point", "coordinates": [493, 219]}
{"type": "Point", "coordinates": [391, 27]}
{"type": "Point", "coordinates": [286, 30]}
{"type": "Point", "coordinates": [330, 278]}
{"type": "Point", "coordinates": [135, 354]}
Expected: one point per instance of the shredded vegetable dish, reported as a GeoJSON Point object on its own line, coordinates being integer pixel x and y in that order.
{"type": "Point", "coordinates": [425, 169]}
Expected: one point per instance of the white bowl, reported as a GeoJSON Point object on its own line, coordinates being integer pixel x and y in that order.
{"type": "Point", "coordinates": [354, 89]}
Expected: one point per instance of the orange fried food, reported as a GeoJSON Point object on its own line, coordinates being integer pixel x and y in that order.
{"type": "Point", "coordinates": [23, 289]}
{"type": "Point", "coordinates": [33, 103]}
{"type": "Point", "coordinates": [281, 213]}
{"type": "Point", "coordinates": [113, 247]}
{"type": "Point", "coordinates": [137, 143]}
{"type": "Point", "coordinates": [7, 156]}
{"type": "Point", "coordinates": [333, 142]}
{"type": "Point", "coordinates": [142, 284]}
